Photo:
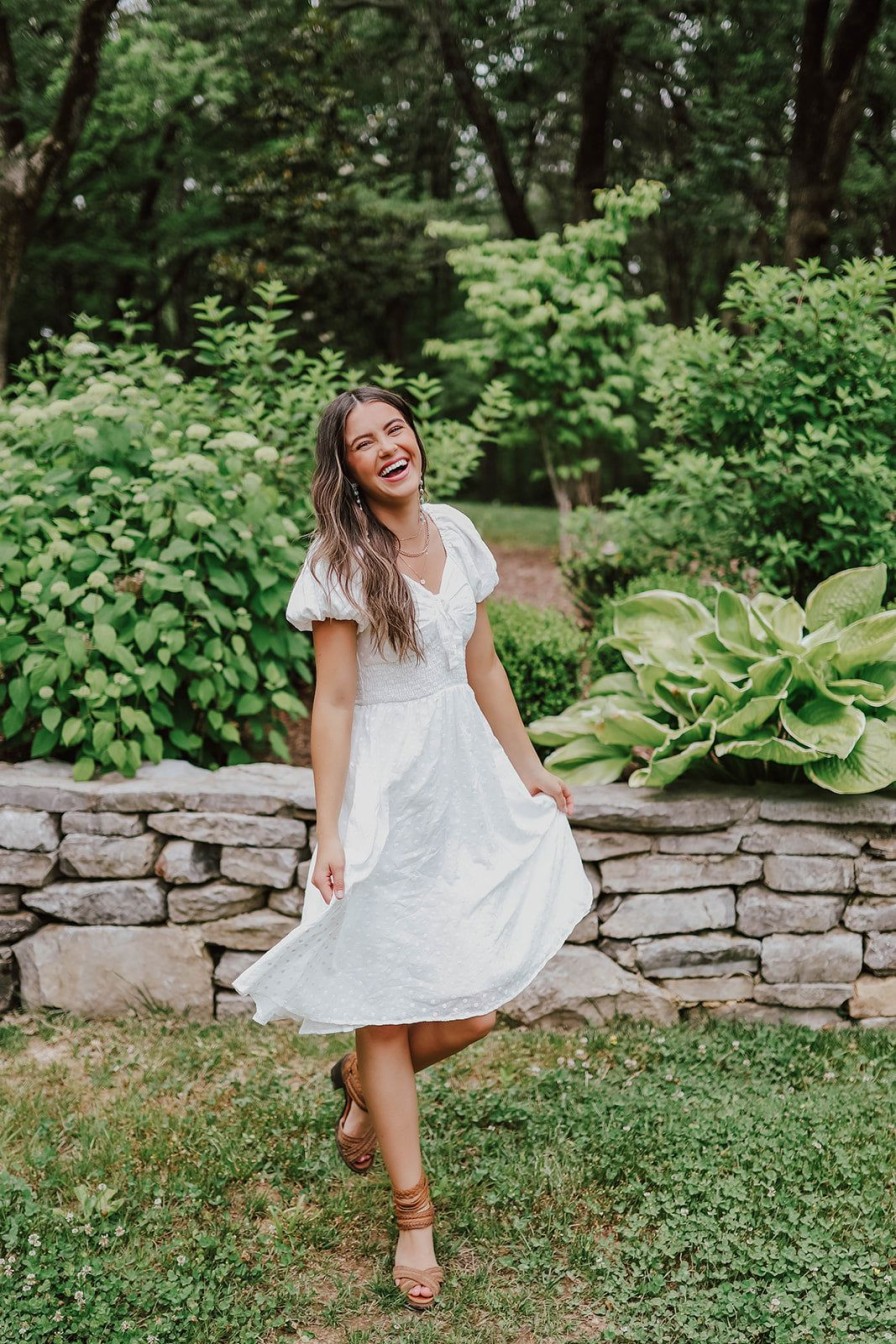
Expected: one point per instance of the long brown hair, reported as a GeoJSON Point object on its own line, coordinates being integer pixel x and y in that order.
{"type": "Point", "coordinates": [350, 539]}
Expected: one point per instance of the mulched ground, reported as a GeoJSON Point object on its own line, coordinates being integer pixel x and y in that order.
{"type": "Point", "coordinates": [527, 574]}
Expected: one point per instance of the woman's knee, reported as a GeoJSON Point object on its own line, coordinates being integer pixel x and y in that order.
{"type": "Point", "coordinates": [481, 1025]}
{"type": "Point", "coordinates": [385, 1034]}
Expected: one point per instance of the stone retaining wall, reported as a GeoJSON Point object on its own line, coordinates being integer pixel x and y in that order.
{"type": "Point", "coordinates": [760, 904]}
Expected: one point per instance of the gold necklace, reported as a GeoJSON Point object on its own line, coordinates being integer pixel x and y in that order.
{"type": "Point", "coordinates": [415, 555]}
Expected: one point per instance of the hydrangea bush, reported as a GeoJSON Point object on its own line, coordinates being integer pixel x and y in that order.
{"type": "Point", "coordinates": [151, 527]}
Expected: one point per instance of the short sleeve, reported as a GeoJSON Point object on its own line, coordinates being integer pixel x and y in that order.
{"type": "Point", "coordinates": [317, 596]}
{"type": "Point", "coordinates": [478, 561]}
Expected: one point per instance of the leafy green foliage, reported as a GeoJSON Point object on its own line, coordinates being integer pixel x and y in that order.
{"type": "Point", "coordinates": [777, 442]}
{"type": "Point", "coordinates": [602, 658]}
{"type": "Point", "coordinates": [151, 530]}
{"type": "Point", "coordinates": [756, 679]}
{"type": "Point", "coordinates": [555, 320]}
{"type": "Point", "coordinates": [542, 655]}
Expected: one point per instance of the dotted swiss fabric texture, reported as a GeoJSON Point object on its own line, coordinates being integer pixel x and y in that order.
{"type": "Point", "coordinates": [459, 884]}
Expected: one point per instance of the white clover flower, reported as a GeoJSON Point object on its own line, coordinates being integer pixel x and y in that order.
{"type": "Point", "coordinates": [123, 544]}
{"type": "Point", "coordinates": [104, 1241]}
{"type": "Point", "coordinates": [239, 438]}
{"type": "Point", "coordinates": [197, 431]}
{"type": "Point", "coordinates": [57, 1316]}
{"type": "Point", "coordinates": [119, 1231]}
{"type": "Point", "coordinates": [201, 517]}
{"type": "Point", "coordinates": [79, 1298]}
{"type": "Point", "coordinates": [266, 454]}
{"type": "Point", "coordinates": [79, 345]}
{"type": "Point", "coordinates": [157, 1202]}
{"type": "Point", "coordinates": [33, 1239]}
{"type": "Point", "coordinates": [181, 1259]}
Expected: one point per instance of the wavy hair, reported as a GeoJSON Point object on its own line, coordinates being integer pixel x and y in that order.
{"type": "Point", "coordinates": [350, 539]}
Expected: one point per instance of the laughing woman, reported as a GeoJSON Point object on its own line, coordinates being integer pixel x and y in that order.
{"type": "Point", "coordinates": [445, 873]}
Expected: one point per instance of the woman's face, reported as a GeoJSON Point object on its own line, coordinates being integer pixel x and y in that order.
{"type": "Point", "coordinates": [381, 453]}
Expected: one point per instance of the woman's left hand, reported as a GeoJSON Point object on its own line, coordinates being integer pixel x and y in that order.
{"type": "Point", "coordinates": [540, 780]}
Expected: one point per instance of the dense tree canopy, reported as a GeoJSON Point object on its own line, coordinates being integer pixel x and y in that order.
{"type": "Point", "coordinates": [312, 141]}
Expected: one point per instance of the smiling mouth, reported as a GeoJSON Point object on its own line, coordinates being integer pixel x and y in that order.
{"type": "Point", "coordinates": [395, 470]}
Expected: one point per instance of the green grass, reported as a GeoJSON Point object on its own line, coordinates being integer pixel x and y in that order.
{"type": "Point", "coordinates": [707, 1184]}
{"type": "Point", "coordinates": [514, 524]}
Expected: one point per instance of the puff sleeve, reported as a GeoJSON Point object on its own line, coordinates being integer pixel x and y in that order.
{"type": "Point", "coordinates": [317, 596]}
{"type": "Point", "coordinates": [477, 559]}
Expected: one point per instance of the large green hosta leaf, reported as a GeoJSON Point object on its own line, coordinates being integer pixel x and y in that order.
{"type": "Point", "coordinates": [826, 725]}
{"type": "Point", "coordinates": [556, 729]}
{"type": "Point", "coordinates": [846, 597]}
{"type": "Point", "coordinates": [870, 765]}
{"type": "Point", "coordinates": [738, 629]}
{"type": "Point", "coordinates": [878, 683]}
{"type": "Point", "coordinates": [767, 747]}
{"type": "Point", "coordinates": [749, 716]}
{"type": "Point", "coordinates": [587, 761]}
{"type": "Point", "coordinates": [866, 641]}
{"type": "Point", "coordinates": [671, 760]}
{"type": "Point", "coordinates": [618, 725]}
{"type": "Point", "coordinates": [771, 676]}
{"type": "Point", "coordinates": [784, 618]}
{"type": "Point", "coordinates": [663, 621]}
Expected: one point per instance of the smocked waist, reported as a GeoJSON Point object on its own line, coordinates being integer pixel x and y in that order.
{"type": "Point", "coordinates": [389, 685]}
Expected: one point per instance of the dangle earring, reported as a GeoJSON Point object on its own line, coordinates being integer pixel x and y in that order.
{"type": "Point", "coordinates": [356, 493]}
{"type": "Point", "coordinates": [423, 495]}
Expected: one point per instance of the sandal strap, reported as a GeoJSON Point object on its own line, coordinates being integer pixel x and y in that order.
{"type": "Point", "coordinates": [413, 1207]}
{"type": "Point", "coordinates": [351, 1079]}
{"type": "Point", "coordinates": [355, 1146]}
{"type": "Point", "coordinates": [406, 1277]}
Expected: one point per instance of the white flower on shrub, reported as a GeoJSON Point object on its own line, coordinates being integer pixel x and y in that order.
{"type": "Point", "coordinates": [266, 454]}
{"type": "Point", "coordinates": [78, 346]}
{"type": "Point", "coordinates": [37, 389]}
{"type": "Point", "coordinates": [85, 432]}
{"type": "Point", "coordinates": [197, 431]}
{"type": "Point", "coordinates": [201, 517]}
{"type": "Point", "coordinates": [238, 438]}
{"type": "Point", "coordinates": [60, 549]}
{"type": "Point", "coordinates": [28, 415]}
{"type": "Point", "coordinates": [100, 473]}
{"type": "Point", "coordinates": [106, 411]}
{"type": "Point", "coordinates": [172, 379]}
{"type": "Point", "coordinates": [196, 462]}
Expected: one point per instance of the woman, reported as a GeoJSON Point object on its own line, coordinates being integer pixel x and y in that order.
{"type": "Point", "coordinates": [445, 873]}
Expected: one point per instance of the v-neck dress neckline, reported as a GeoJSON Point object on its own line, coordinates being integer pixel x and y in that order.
{"type": "Point", "coordinates": [418, 583]}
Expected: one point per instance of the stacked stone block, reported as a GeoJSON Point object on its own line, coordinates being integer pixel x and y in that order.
{"type": "Point", "coordinates": [761, 904]}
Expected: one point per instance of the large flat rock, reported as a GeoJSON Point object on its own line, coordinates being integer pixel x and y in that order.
{"type": "Point", "coordinates": [802, 996]}
{"type": "Point", "coordinates": [766, 838]}
{"type": "Point", "coordinates": [184, 862]}
{"type": "Point", "coordinates": [109, 972]}
{"type": "Point", "coordinates": [255, 931]}
{"type": "Point", "coordinates": [598, 845]}
{"type": "Point", "coordinates": [264, 867]}
{"type": "Point", "coordinates": [880, 952]}
{"type": "Point", "coordinates": [22, 828]}
{"type": "Point", "coordinates": [876, 877]}
{"type": "Point", "coordinates": [121, 901]}
{"type": "Point", "coordinates": [826, 958]}
{"type": "Point", "coordinates": [7, 978]}
{"type": "Point", "coordinates": [760, 911]}
{"type": "Point", "coordinates": [211, 901]}
{"type": "Point", "coordinates": [792, 872]}
{"type": "Point", "coordinates": [581, 985]}
{"type": "Point", "coordinates": [874, 996]}
{"type": "Point", "coordinates": [26, 868]}
{"type": "Point", "coordinates": [232, 828]}
{"type": "Point", "coordinates": [102, 823]}
{"type": "Point", "coordinates": [826, 809]}
{"type": "Point", "coordinates": [671, 872]}
{"type": "Point", "coordinates": [109, 855]}
{"type": "Point", "coordinates": [870, 912]}
{"type": "Point", "coordinates": [696, 954]}
{"type": "Point", "coordinates": [616, 807]}
{"type": "Point", "coordinates": [646, 913]}
{"type": "Point", "coordinates": [14, 927]}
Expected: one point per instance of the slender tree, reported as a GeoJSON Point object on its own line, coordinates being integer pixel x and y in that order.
{"type": "Point", "coordinates": [27, 167]}
{"type": "Point", "coordinates": [828, 108]}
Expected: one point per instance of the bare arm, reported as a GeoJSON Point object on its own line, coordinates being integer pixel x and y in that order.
{"type": "Point", "coordinates": [335, 650]}
{"type": "Point", "coordinates": [488, 679]}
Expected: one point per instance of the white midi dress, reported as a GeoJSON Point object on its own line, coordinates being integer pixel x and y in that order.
{"type": "Point", "coordinates": [459, 884]}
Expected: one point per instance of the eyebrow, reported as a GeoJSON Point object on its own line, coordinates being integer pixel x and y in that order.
{"type": "Point", "coordinates": [386, 423]}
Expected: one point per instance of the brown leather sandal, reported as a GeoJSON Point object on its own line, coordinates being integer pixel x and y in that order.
{"type": "Point", "coordinates": [353, 1148]}
{"type": "Point", "coordinates": [414, 1208]}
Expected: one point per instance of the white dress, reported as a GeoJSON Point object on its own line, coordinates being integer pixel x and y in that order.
{"type": "Point", "coordinates": [459, 884]}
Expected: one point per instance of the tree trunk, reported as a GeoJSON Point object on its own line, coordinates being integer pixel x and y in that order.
{"type": "Point", "coordinates": [25, 174]}
{"type": "Point", "coordinates": [600, 57]}
{"type": "Point", "coordinates": [828, 108]}
{"type": "Point", "coordinates": [476, 106]}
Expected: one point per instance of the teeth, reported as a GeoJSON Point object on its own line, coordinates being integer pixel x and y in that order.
{"type": "Point", "coordinates": [396, 466]}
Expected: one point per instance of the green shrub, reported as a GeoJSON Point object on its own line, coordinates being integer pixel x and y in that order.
{"type": "Point", "coordinates": [777, 436]}
{"type": "Point", "coordinates": [758, 687]}
{"type": "Point", "coordinates": [150, 531]}
{"type": "Point", "coordinates": [542, 654]}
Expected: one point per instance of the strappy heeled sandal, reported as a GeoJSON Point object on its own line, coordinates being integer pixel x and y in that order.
{"type": "Point", "coordinates": [353, 1148]}
{"type": "Point", "coordinates": [414, 1208]}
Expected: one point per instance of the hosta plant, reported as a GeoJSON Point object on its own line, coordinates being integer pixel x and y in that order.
{"type": "Point", "coordinates": [756, 688]}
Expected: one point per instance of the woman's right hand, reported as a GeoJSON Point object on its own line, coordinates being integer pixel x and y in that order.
{"type": "Point", "coordinates": [329, 870]}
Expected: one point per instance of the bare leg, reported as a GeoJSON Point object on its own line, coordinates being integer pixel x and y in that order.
{"type": "Point", "coordinates": [387, 1077]}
